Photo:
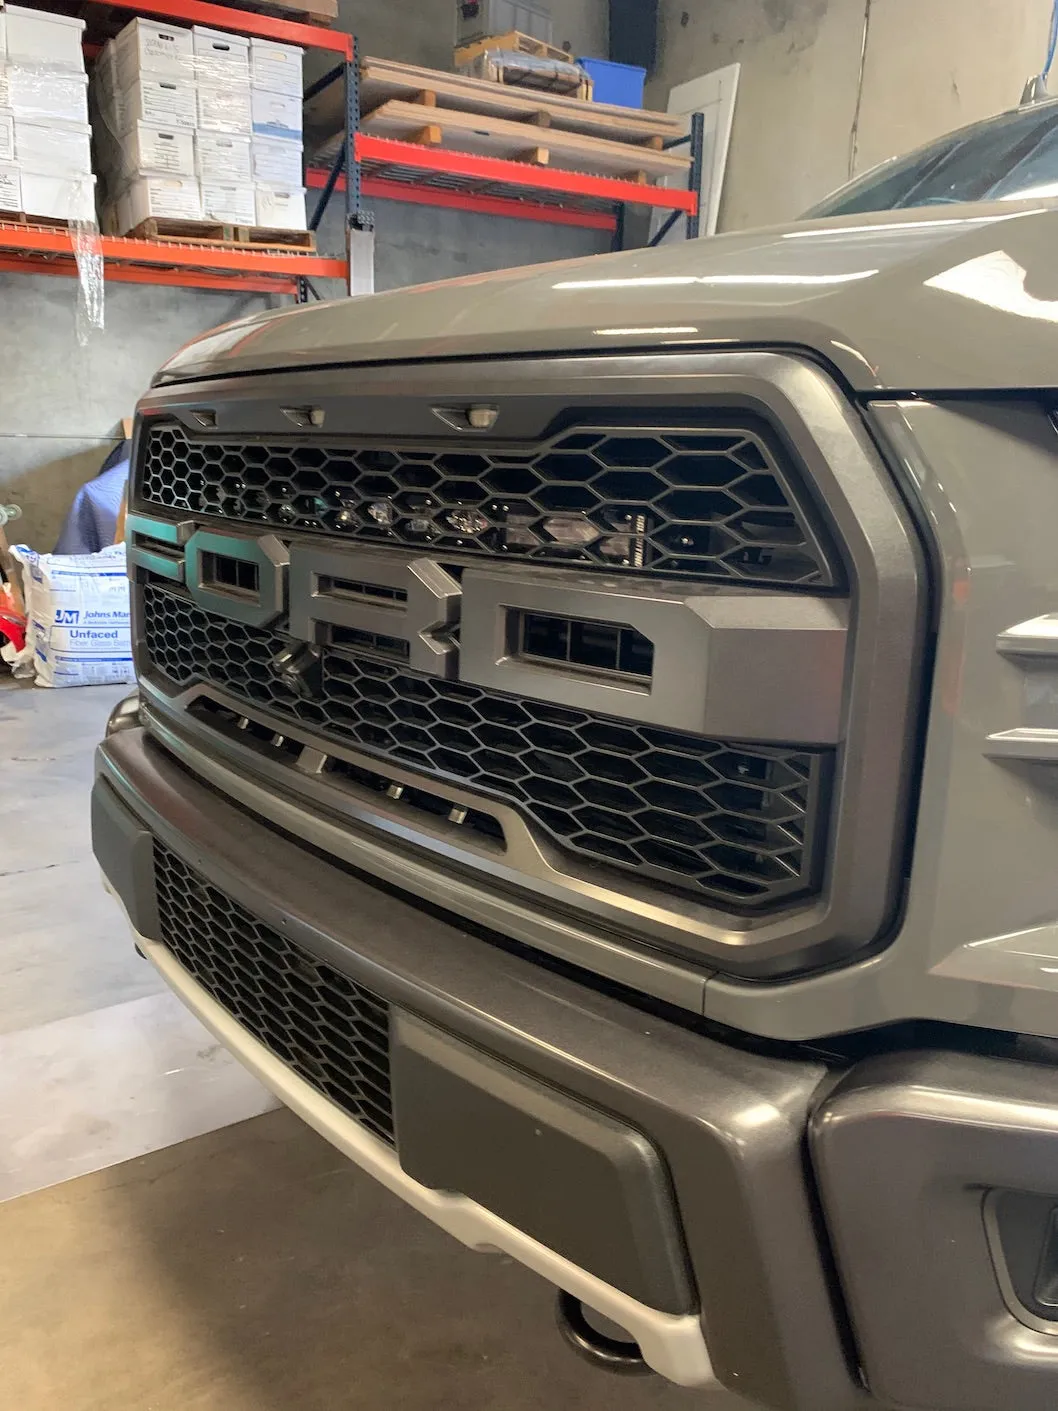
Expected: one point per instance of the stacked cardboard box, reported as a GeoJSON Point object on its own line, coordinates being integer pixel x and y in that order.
{"type": "Point", "coordinates": [45, 154]}
{"type": "Point", "coordinates": [176, 120]}
{"type": "Point", "coordinates": [278, 157]}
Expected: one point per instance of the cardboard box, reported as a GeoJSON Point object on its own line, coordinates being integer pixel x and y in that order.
{"type": "Point", "coordinates": [10, 188]}
{"type": "Point", "coordinates": [176, 197]}
{"type": "Point", "coordinates": [154, 151]}
{"type": "Point", "coordinates": [52, 94]}
{"type": "Point", "coordinates": [223, 158]}
{"type": "Point", "coordinates": [276, 114]}
{"type": "Point", "coordinates": [61, 149]}
{"type": "Point", "coordinates": [276, 67]}
{"type": "Point", "coordinates": [7, 137]}
{"type": "Point", "coordinates": [221, 57]}
{"type": "Point", "coordinates": [157, 101]}
{"type": "Point", "coordinates": [59, 197]}
{"type": "Point", "coordinates": [151, 46]}
{"type": "Point", "coordinates": [281, 208]}
{"type": "Point", "coordinates": [278, 161]}
{"type": "Point", "coordinates": [225, 108]}
{"type": "Point", "coordinates": [39, 37]}
{"type": "Point", "coordinates": [229, 203]}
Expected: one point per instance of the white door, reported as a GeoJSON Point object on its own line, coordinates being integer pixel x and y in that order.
{"type": "Point", "coordinates": [712, 95]}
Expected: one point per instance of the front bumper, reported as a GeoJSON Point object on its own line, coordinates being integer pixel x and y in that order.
{"type": "Point", "coordinates": [664, 1178]}
{"type": "Point", "coordinates": [739, 1271]}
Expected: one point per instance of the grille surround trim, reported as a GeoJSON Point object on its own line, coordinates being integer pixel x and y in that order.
{"type": "Point", "coordinates": [875, 535]}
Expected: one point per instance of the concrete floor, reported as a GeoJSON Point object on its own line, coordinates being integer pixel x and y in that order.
{"type": "Point", "coordinates": [168, 1242]}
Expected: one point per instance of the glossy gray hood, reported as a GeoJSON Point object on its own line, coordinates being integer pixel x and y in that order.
{"type": "Point", "coordinates": [926, 301]}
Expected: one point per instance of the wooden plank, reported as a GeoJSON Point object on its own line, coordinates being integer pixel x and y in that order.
{"type": "Point", "coordinates": [515, 43]}
{"type": "Point", "coordinates": [427, 136]}
{"type": "Point", "coordinates": [321, 12]}
{"type": "Point", "coordinates": [383, 79]}
{"type": "Point", "coordinates": [496, 137]}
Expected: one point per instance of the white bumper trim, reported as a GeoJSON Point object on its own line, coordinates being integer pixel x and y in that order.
{"type": "Point", "coordinates": [671, 1344]}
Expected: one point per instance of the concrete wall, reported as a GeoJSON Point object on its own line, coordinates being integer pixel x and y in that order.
{"type": "Point", "coordinates": [931, 65]}
{"type": "Point", "coordinates": [61, 405]}
{"type": "Point", "coordinates": [422, 31]}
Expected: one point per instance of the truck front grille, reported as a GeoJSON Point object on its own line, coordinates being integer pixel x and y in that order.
{"type": "Point", "coordinates": [333, 1034]}
{"type": "Point", "coordinates": [738, 825]}
{"type": "Point", "coordinates": [709, 501]}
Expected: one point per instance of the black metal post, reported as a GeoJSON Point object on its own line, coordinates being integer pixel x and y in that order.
{"type": "Point", "coordinates": [618, 240]}
{"type": "Point", "coordinates": [352, 127]}
{"type": "Point", "coordinates": [694, 222]}
{"type": "Point", "coordinates": [321, 83]}
{"type": "Point", "coordinates": [328, 189]}
{"type": "Point", "coordinates": [670, 221]}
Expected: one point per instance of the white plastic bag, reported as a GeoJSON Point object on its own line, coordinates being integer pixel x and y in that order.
{"type": "Point", "coordinates": [77, 609]}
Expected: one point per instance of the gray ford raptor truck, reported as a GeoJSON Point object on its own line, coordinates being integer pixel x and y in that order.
{"type": "Point", "coordinates": [596, 759]}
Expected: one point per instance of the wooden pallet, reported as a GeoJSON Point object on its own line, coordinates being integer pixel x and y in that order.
{"type": "Point", "coordinates": [514, 43]}
{"type": "Point", "coordinates": [20, 218]}
{"type": "Point", "coordinates": [496, 137]}
{"type": "Point", "coordinates": [210, 232]}
{"type": "Point", "coordinates": [382, 80]}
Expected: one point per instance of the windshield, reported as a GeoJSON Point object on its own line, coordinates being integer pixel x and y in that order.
{"type": "Point", "coordinates": [1005, 158]}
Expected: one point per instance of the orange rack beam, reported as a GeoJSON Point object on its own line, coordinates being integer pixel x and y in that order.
{"type": "Point", "coordinates": [242, 22]}
{"type": "Point", "coordinates": [168, 261]}
{"type": "Point", "coordinates": [388, 158]}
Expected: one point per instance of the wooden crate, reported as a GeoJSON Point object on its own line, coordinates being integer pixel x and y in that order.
{"type": "Point", "coordinates": [514, 42]}
{"type": "Point", "coordinates": [502, 66]}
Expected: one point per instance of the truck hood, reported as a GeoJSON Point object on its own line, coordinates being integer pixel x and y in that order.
{"type": "Point", "coordinates": [925, 301]}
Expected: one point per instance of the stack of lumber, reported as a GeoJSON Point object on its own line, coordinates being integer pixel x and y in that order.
{"type": "Point", "coordinates": [466, 114]}
{"type": "Point", "coordinates": [321, 12]}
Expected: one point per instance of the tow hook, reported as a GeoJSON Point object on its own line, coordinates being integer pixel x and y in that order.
{"type": "Point", "coordinates": [612, 1354]}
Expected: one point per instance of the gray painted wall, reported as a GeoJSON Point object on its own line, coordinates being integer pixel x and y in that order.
{"type": "Point", "coordinates": [61, 405]}
{"type": "Point", "coordinates": [930, 66]}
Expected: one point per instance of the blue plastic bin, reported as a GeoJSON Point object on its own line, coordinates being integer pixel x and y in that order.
{"type": "Point", "coordinates": [615, 83]}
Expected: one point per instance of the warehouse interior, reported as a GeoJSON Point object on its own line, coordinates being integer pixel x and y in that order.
{"type": "Point", "coordinates": [172, 1236]}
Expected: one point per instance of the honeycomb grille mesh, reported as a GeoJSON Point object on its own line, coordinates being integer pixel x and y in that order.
{"type": "Point", "coordinates": [687, 502]}
{"type": "Point", "coordinates": [734, 824]}
{"type": "Point", "coordinates": [334, 1034]}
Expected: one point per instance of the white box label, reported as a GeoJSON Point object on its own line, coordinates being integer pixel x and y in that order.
{"type": "Point", "coordinates": [223, 158]}
{"type": "Point", "coordinates": [281, 209]}
{"type": "Point", "coordinates": [229, 203]}
{"type": "Point", "coordinates": [146, 46]}
{"type": "Point", "coordinates": [10, 189]}
{"type": "Point", "coordinates": [277, 161]}
{"type": "Point", "coordinates": [224, 109]}
{"type": "Point", "coordinates": [161, 102]}
{"type": "Point", "coordinates": [276, 114]}
{"type": "Point", "coordinates": [169, 151]}
{"type": "Point", "coordinates": [276, 67]}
